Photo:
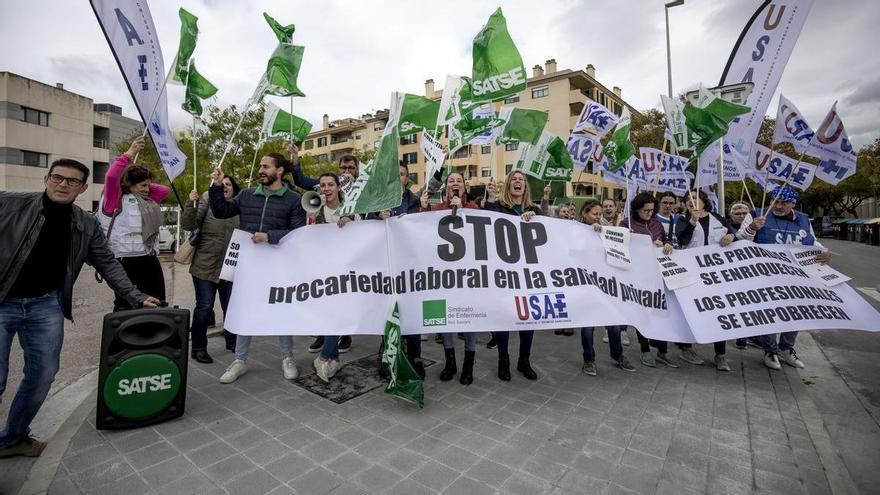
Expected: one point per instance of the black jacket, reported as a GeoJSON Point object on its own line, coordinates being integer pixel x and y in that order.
{"type": "Point", "coordinates": [276, 213]}
{"type": "Point", "coordinates": [500, 208]}
{"type": "Point", "coordinates": [409, 203]}
{"type": "Point", "coordinates": [20, 223]}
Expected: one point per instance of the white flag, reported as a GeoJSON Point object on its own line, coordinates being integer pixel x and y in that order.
{"type": "Point", "coordinates": [831, 145]}
{"type": "Point", "coordinates": [128, 27]}
{"type": "Point", "coordinates": [581, 147]}
{"type": "Point", "coordinates": [760, 56]}
{"type": "Point", "coordinates": [595, 117]}
{"type": "Point", "coordinates": [781, 168]}
{"type": "Point", "coordinates": [791, 126]}
{"type": "Point", "coordinates": [675, 123]}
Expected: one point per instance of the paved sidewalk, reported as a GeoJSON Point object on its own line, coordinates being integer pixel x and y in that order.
{"type": "Point", "coordinates": [690, 430]}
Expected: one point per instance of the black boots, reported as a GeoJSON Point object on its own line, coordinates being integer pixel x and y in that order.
{"type": "Point", "coordinates": [450, 369]}
{"type": "Point", "coordinates": [467, 368]}
{"type": "Point", "coordinates": [201, 356]}
{"type": "Point", "coordinates": [504, 367]}
{"type": "Point", "coordinates": [525, 368]}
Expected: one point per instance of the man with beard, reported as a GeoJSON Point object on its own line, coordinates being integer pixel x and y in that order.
{"type": "Point", "coordinates": [269, 211]}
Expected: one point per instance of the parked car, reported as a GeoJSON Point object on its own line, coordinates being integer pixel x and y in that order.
{"type": "Point", "coordinates": [823, 227]}
{"type": "Point", "coordinates": [170, 228]}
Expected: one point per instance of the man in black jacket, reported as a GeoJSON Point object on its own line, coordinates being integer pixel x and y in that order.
{"type": "Point", "coordinates": [269, 211]}
{"type": "Point", "coordinates": [46, 239]}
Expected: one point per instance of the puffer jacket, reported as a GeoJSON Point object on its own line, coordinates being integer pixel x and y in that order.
{"type": "Point", "coordinates": [275, 213]}
{"type": "Point", "coordinates": [21, 221]}
{"type": "Point", "coordinates": [214, 235]}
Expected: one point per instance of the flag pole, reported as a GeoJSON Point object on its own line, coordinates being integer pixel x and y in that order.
{"type": "Point", "coordinates": [720, 185]}
{"type": "Point", "coordinates": [156, 103]}
{"type": "Point", "coordinates": [231, 139]}
{"type": "Point", "coordinates": [253, 163]}
{"type": "Point", "coordinates": [787, 179]}
{"type": "Point", "coordinates": [660, 168]}
{"type": "Point", "coordinates": [195, 156]}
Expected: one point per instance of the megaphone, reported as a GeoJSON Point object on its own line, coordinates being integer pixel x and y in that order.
{"type": "Point", "coordinates": [312, 202]}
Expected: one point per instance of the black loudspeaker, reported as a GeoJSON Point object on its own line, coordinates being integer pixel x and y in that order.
{"type": "Point", "coordinates": [142, 376]}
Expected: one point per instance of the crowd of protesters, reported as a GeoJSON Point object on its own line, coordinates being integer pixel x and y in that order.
{"type": "Point", "coordinates": [47, 239]}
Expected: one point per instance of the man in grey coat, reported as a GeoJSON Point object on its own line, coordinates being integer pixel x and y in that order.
{"type": "Point", "coordinates": [46, 239]}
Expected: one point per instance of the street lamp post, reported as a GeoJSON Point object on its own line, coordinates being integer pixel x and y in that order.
{"type": "Point", "coordinates": [676, 3]}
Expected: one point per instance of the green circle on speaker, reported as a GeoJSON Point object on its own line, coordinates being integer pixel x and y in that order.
{"type": "Point", "coordinates": [141, 386]}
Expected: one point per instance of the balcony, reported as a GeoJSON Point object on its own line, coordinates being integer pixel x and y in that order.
{"type": "Point", "coordinates": [101, 143]}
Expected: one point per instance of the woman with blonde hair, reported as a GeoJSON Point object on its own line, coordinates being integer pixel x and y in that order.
{"type": "Point", "coordinates": [514, 199]}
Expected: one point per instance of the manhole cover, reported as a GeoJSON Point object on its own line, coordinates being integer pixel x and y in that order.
{"type": "Point", "coordinates": [355, 378]}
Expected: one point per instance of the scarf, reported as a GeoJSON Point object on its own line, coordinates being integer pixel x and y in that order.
{"type": "Point", "coordinates": [151, 216]}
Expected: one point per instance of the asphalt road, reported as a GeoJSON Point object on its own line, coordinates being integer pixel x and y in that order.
{"type": "Point", "coordinates": [856, 355]}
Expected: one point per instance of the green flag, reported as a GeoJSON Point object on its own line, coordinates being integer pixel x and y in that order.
{"type": "Point", "coordinates": [281, 73]}
{"type": "Point", "coordinates": [619, 148]}
{"type": "Point", "coordinates": [469, 127]}
{"type": "Point", "coordinates": [417, 113]}
{"type": "Point", "coordinates": [404, 382]}
{"type": "Point", "coordinates": [378, 187]}
{"type": "Point", "coordinates": [521, 124]}
{"type": "Point", "coordinates": [547, 160]}
{"type": "Point", "coordinates": [284, 33]}
{"type": "Point", "coordinates": [278, 123]}
{"type": "Point", "coordinates": [498, 69]}
{"type": "Point", "coordinates": [189, 32]}
{"type": "Point", "coordinates": [708, 124]}
{"type": "Point", "coordinates": [197, 89]}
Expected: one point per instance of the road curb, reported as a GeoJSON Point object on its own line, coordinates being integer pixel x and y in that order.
{"type": "Point", "coordinates": [78, 398]}
{"type": "Point", "coordinates": [839, 478]}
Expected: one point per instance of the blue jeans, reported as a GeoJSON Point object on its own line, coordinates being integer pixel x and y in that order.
{"type": "Point", "coordinates": [470, 341]}
{"type": "Point", "coordinates": [613, 341]}
{"type": "Point", "coordinates": [39, 323]}
{"type": "Point", "coordinates": [786, 342]}
{"type": "Point", "coordinates": [243, 346]}
{"type": "Point", "coordinates": [331, 347]}
{"type": "Point", "coordinates": [206, 292]}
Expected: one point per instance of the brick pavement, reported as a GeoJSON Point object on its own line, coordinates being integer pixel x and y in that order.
{"type": "Point", "coordinates": [663, 431]}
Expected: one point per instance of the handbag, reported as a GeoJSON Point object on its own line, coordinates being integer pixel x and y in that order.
{"type": "Point", "coordinates": [187, 249]}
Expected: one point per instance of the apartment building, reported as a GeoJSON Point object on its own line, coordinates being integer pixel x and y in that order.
{"type": "Point", "coordinates": [563, 93]}
{"type": "Point", "coordinates": [40, 123]}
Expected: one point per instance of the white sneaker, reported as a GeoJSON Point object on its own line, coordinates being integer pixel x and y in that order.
{"type": "Point", "coordinates": [326, 368]}
{"type": "Point", "coordinates": [605, 339]}
{"type": "Point", "coordinates": [235, 370]}
{"type": "Point", "coordinates": [772, 361]}
{"type": "Point", "coordinates": [288, 366]}
{"type": "Point", "coordinates": [790, 358]}
{"type": "Point", "coordinates": [624, 338]}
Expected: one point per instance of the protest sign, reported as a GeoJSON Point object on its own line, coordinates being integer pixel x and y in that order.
{"type": "Point", "coordinates": [433, 152]}
{"type": "Point", "coordinates": [239, 237]}
{"type": "Point", "coordinates": [674, 275]}
{"type": "Point", "coordinates": [806, 258]}
{"type": "Point", "coordinates": [615, 240]}
{"type": "Point", "coordinates": [749, 289]}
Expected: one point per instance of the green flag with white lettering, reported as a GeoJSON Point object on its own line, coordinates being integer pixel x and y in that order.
{"type": "Point", "coordinates": [417, 113]}
{"type": "Point", "coordinates": [498, 69]}
{"type": "Point", "coordinates": [619, 148]}
{"type": "Point", "coordinates": [278, 123]}
{"type": "Point", "coordinates": [404, 381]}
{"type": "Point", "coordinates": [378, 187]}
{"type": "Point", "coordinates": [197, 89]}
{"type": "Point", "coordinates": [284, 33]}
{"type": "Point", "coordinates": [522, 124]}
{"type": "Point", "coordinates": [547, 160]}
{"type": "Point", "coordinates": [189, 32]}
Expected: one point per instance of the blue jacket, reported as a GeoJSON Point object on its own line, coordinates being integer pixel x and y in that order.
{"type": "Point", "coordinates": [795, 229]}
{"type": "Point", "coordinates": [409, 203]}
{"type": "Point", "coordinates": [275, 213]}
{"type": "Point", "coordinates": [300, 179]}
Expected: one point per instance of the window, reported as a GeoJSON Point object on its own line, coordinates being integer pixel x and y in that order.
{"type": "Point", "coordinates": [378, 126]}
{"type": "Point", "coordinates": [322, 142]}
{"type": "Point", "coordinates": [309, 144]}
{"type": "Point", "coordinates": [485, 149]}
{"type": "Point", "coordinates": [508, 168]}
{"type": "Point", "coordinates": [409, 158]}
{"type": "Point", "coordinates": [414, 177]}
{"type": "Point", "coordinates": [358, 135]}
{"type": "Point", "coordinates": [411, 139]}
{"type": "Point", "coordinates": [37, 117]}
{"type": "Point", "coordinates": [540, 92]}
{"type": "Point", "coordinates": [511, 99]}
{"type": "Point", "coordinates": [322, 157]}
{"type": "Point", "coordinates": [99, 171]}
{"type": "Point", "coordinates": [617, 108]}
{"type": "Point", "coordinates": [462, 152]}
{"type": "Point", "coordinates": [486, 172]}
{"type": "Point", "coordinates": [34, 159]}
{"type": "Point", "coordinates": [589, 93]}
{"type": "Point", "coordinates": [513, 146]}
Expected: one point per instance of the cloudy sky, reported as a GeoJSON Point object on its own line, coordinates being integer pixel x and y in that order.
{"type": "Point", "coordinates": [358, 52]}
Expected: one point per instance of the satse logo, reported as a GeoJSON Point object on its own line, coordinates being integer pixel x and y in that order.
{"type": "Point", "coordinates": [547, 306]}
{"type": "Point", "coordinates": [434, 313]}
{"type": "Point", "coordinates": [144, 384]}
{"type": "Point", "coordinates": [505, 80]}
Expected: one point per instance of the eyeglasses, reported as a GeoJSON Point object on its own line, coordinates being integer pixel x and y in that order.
{"type": "Point", "coordinates": [72, 181]}
{"type": "Point", "coordinates": [647, 210]}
